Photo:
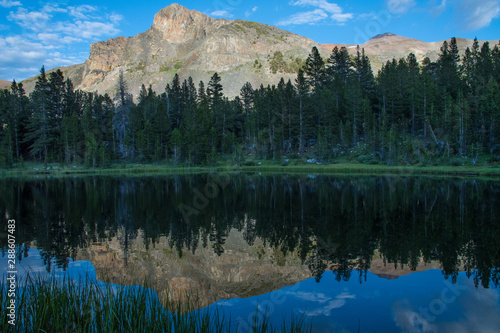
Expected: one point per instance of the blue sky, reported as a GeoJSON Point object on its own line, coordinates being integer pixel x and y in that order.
{"type": "Point", "coordinates": [59, 32]}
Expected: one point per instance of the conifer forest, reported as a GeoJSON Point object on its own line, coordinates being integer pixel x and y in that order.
{"type": "Point", "coordinates": [411, 113]}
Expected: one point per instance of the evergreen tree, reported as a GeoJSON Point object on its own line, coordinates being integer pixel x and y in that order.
{"type": "Point", "coordinates": [339, 65]}
{"type": "Point", "coordinates": [40, 128]}
{"type": "Point", "coordinates": [314, 70]}
{"type": "Point", "coordinates": [302, 92]}
{"type": "Point", "coordinates": [174, 101]}
{"type": "Point", "coordinates": [121, 117]}
{"type": "Point", "coordinates": [214, 92]}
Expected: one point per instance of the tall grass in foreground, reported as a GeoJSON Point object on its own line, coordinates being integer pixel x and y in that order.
{"type": "Point", "coordinates": [52, 305]}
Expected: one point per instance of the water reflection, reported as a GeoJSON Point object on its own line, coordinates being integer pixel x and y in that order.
{"type": "Point", "coordinates": [256, 234]}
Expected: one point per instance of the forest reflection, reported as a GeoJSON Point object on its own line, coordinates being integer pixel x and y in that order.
{"type": "Point", "coordinates": [332, 222]}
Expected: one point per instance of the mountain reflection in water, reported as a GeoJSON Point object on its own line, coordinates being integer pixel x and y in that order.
{"type": "Point", "coordinates": [259, 235]}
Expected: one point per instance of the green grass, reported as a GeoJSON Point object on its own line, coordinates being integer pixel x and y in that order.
{"type": "Point", "coordinates": [298, 166]}
{"type": "Point", "coordinates": [258, 27]}
{"type": "Point", "coordinates": [239, 28]}
{"type": "Point", "coordinates": [354, 168]}
{"type": "Point", "coordinates": [165, 69]}
{"type": "Point", "coordinates": [50, 305]}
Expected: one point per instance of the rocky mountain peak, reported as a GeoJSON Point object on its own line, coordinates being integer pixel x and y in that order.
{"type": "Point", "coordinates": [176, 24]}
{"type": "Point", "coordinates": [387, 34]}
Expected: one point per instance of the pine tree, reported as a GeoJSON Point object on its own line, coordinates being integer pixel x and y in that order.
{"type": "Point", "coordinates": [339, 65]}
{"type": "Point", "coordinates": [302, 92]}
{"type": "Point", "coordinates": [492, 115]}
{"type": "Point", "coordinates": [174, 101]}
{"type": "Point", "coordinates": [495, 55]}
{"type": "Point", "coordinates": [40, 127]}
{"type": "Point", "coordinates": [413, 88]}
{"type": "Point", "coordinates": [214, 92]}
{"type": "Point", "coordinates": [17, 117]}
{"type": "Point", "coordinates": [121, 117]}
{"type": "Point", "coordinates": [314, 70]}
{"type": "Point", "coordinates": [365, 74]}
{"type": "Point", "coordinates": [176, 141]}
{"type": "Point", "coordinates": [72, 137]}
{"type": "Point", "coordinates": [246, 94]}
{"type": "Point", "coordinates": [216, 103]}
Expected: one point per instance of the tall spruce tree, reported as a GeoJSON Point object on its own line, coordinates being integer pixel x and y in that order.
{"type": "Point", "coordinates": [314, 70]}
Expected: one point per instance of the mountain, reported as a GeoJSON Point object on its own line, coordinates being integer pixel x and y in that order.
{"type": "Point", "coordinates": [4, 84]}
{"type": "Point", "coordinates": [190, 43]}
{"type": "Point", "coordinates": [385, 47]}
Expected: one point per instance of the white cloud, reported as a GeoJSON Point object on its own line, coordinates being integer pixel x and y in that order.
{"type": "Point", "coordinates": [305, 18]}
{"type": "Point", "coordinates": [115, 18]}
{"type": "Point", "coordinates": [476, 310]}
{"type": "Point", "coordinates": [17, 48]}
{"type": "Point", "coordinates": [35, 21]}
{"type": "Point", "coordinates": [400, 6]}
{"type": "Point", "coordinates": [53, 35]}
{"type": "Point", "coordinates": [9, 3]}
{"type": "Point", "coordinates": [438, 10]}
{"type": "Point", "coordinates": [221, 13]}
{"type": "Point", "coordinates": [478, 14]}
{"type": "Point", "coordinates": [81, 12]}
{"type": "Point", "coordinates": [54, 8]}
{"type": "Point", "coordinates": [333, 9]}
{"type": "Point", "coordinates": [324, 303]}
{"type": "Point", "coordinates": [312, 297]}
{"type": "Point", "coordinates": [370, 16]}
{"type": "Point", "coordinates": [324, 11]}
{"type": "Point", "coordinates": [56, 39]}
{"type": "Point", "coordinates": [87, 29]}
{"type": "Point", "coordinates": [250, 12]}
{"type": "Point", "coordinates": [326, 310]}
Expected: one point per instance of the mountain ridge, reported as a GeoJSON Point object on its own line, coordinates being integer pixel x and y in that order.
{"type": "Point", "coordinates": [4, 84]}
{"type": "Point", "coordinates": [190, 43]}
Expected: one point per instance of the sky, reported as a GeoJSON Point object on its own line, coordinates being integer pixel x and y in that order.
{"type": "Point", "coordinates": [57, 33]}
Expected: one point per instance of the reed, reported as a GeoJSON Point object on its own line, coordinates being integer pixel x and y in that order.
{"type": "Point", "coordinates": [65, 305]}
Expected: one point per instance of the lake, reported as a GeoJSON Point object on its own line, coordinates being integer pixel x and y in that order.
{"type": "Point", "coordinates": [350, 253]}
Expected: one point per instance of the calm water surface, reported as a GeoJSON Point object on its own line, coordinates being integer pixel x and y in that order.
{"type": "Point", "coordinates": [376, 254]}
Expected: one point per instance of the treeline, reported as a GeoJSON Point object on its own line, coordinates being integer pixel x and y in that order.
{"type": "Point", "coordinates": [411, 113]}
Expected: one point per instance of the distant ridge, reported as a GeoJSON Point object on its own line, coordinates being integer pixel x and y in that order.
{"type": "Point", "coordinates": [387, 34]}
{"type": "Point", "coordinates": [384, 47]}
{"type": "Point", "coordinates": [4, 84]}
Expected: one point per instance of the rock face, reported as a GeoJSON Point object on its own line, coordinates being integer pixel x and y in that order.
{"type": "Point", "coordinates": [190, 43]}
{"type": "Point", "coordinates": [176, 24]}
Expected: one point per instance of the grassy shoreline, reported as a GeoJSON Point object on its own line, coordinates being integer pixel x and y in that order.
{"type": "Point", "coordinates": [266, 167]}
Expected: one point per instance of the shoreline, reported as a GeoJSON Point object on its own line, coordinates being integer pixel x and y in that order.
{"type": "Point", "coordinates": [330, 169]}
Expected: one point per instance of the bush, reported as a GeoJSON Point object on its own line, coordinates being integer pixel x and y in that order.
{"type": "Point", "coordinates": [299, 162]}
{"type": "Point", "coordinates": [249, 163]}
{"type": "Point", "coordinates": [367, 159]}
{"type": "Point", "coordinates": [456, 162]}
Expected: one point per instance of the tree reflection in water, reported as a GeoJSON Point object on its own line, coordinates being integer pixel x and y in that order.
{"type": "Point", "coordinates": [333, 222]}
